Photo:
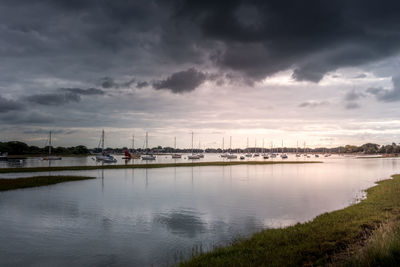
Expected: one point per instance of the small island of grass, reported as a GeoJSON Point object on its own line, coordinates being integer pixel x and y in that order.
{"type": "Point", "coordinates": [18, 183]}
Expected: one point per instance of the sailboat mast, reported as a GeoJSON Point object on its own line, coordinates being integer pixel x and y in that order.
{"type": "Point", "coordinates": [147, 140]}
{"type": "Point", "coordinates": [223, 144]}
{"type": "Point", "coordinates": [192, 142]}
{"type": "Point", "coordinates": [133, 142]}
{"type": "Point", "coordinates": [263, 147]}
{"type": "Point", "coordinates": [102, 141]}
{"type": "Point", "coordinates": [255, 145]}
{"type": "Point", "coordinates": [49, 142]}
{"type": "Point", "coordinates": [175, 143]}
{"type": "Point", "coordinates": [230, 145]}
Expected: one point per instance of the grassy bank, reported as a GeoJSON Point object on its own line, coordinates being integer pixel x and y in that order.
{"type": "Point", "coordinates": [148, 166]}
{"type": "Point", "coordinates": [331, 238]}
{"type": "Point", "coordinates": [17, 183]}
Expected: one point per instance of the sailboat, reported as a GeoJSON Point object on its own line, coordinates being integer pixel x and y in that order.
{"type": "Point", "coordinates": [273, 155]}
{"type": "Point", "coordinates": [297, 150]}
{"type": "Point", "coordinates": [148, 156]}
{"type": "Point", "coordinates": [50, 157]}
{"type": "Point", "coordinates": [248, 154]}
{"type": "Point", "coordinates": [283, 155]}
{"type": "Point", "coordinates": [106, 158]}
{"type": "Point", "coordinates": [255, 149]}
{"type": "Point", "coordinates": [193, 156]}
{"type": "Point", "coordinates": [175, 155]}
{"type": "Point", "coordinates": [223, 155]}
{"type": "Point", "coordinates": [264, 155]}
{"type": "Point", "coordinates": [201, 155]}
{"type": "Point", "coordinates": [230, 155]}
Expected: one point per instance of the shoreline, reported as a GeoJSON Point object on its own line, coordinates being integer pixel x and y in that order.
{"type": "Point", "coordinates": [351, 237]}
{"type": "Point", "coordinates": [148, 166]}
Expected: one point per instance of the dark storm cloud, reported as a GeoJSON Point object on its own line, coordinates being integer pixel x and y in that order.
{"type": "Point", "coordinates": [7, 105]}
{"type": "Point", "coordinates": [53, 99]}
{"type": "Point", "coordinates": [387, 95]}
{"type": "Point", "coordinates": [181, 82]}
{"type": "Point", "coordinates": [313, 37]}
{"type": "Point", "coordinates": [253, 38]}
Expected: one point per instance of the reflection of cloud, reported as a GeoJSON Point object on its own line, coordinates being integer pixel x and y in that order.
{"type": "Point", "coordinates": [185, 222]}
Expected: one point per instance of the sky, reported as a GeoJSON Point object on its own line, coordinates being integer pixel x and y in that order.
{"type": "Point", "coordinates": [321, 72]}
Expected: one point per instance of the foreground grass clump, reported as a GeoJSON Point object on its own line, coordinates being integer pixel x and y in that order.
{"type": "Point", "coordinates": [315, 243]}
{"type": "Point", "coordinates": [149, 166]}
{"type": "Point", "coordinates": [16, 183]}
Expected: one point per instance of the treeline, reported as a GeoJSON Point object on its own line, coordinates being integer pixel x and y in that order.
{"type": "Point", "coordinates": [20, 148]}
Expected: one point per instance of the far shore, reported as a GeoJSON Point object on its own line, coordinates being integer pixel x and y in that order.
{"type": "Point", "coordinates": [148, 166]}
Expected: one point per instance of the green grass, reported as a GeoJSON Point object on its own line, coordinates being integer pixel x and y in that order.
{"type": "Point", "coordinates": [17, 183]}
{"type": "Point", "coordinates": [317, 242]}
{"type": "Point", "coordinates": [148, 166]}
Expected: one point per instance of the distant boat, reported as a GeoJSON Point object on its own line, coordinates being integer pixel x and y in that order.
{"type": "Point", "coordinates": [223, 155]}
{"type": "Point", "coordinates": [50, 157]}
{"type": "Point", "coordinates": [242, 157]}
{"type": "Point", "coordinates": [127, 155]}
{"type": "Point", "coordinates": [193, 156]}
{"type": "Point", "coordinates": [105, 158]}
{"type": "Point", "coordinates": [175, 155]}
{"type": "Point", "coordinates": [148, 156]}
{"type": "Point", "coordinates": [249, 155]}
{"type": "Point", "coordinates": [264, 155]}
{"type": "Point", "coordinates": [316, 155]}
{"type": "Point", "coordinates": [283, 155]}
{"type": "Point", "coordinates": [230, 155]}
{"type": "Point", "coordinates": [3, 156]}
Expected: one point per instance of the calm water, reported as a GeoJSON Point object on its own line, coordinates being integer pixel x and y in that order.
{"type": "Point", "coordinates": [156, 216]}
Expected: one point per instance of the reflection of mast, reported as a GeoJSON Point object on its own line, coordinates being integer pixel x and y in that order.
{"type": "Point", "coordinates": [102, 180]}
{"type": "Point", "coordinates": [147, 178]}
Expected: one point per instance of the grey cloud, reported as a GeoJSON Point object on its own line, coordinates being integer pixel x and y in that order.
{"type": "Point", "coordinates": [361, 76]}
{"type": "Point", "coordinates": [79, 91]}
{"type": "Point", "coordinates": [313, 104]}
{"type": "Point", "coordinates": [387, 95]}
{"type": "Point", "coordinates": [46, 131]}
{"type": "Point", "coordinates": [27, 118]}
{"type": "Point", "coordinates": [352, 105]}
{"type": "Point", "coordinates": [142, 84]}
{"type": "Point", "coordinates": [181, 82]}
{"type": "Point", "coordinates": [53, 99]}
{"type": "Point", "coordinates": [111, 83]}
{"type": "Point", "coordinates": [7, 105]}
{"type": "Point", "coordinates": [353, 95]}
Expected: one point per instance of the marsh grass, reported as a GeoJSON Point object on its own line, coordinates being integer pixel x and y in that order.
{"type": "Point", "coordinates": [148, 166]}
{"type": "Point", "coordinates": [18, 183]}
{"type": "Point", "coordinates": [318, 242]}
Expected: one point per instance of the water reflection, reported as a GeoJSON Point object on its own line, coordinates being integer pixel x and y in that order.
{"type": "Point", "coordinates": [149, 216]}
{"type": "Point", "coordinates": [186, 222]}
